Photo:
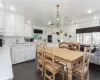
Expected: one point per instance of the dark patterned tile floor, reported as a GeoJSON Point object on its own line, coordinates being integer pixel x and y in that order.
{"type": "Point", "coordinates": [27, 71]}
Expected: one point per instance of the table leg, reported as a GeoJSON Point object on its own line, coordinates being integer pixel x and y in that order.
{"type": "Point", "coordinates": [69, 65]}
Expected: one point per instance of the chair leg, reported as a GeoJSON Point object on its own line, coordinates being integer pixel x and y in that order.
{"type": "Point", "coordinates": [53, 76]}
{"type": "Point", "coordinates": [63, 75]}
{"type": "Point", "coordinates": [88, 75]}
{"type": "Point", "coordinates": [44, 74]}
{"type": "Point", "coordinates": [42, 71]}
{"type": "Point", "coordinates": [82, 77]}
{"type": "Point", "coordinates": [37, 67]}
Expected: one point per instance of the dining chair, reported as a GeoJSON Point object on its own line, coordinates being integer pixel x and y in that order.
{"type": "Point", "coordinates": [64, 45]}
{"type": "Point", "coordinates": [74, 46]}
{"type": "Point", "coordinates": [82, 69]}
{"type": "Point", "coordinates": [40, 59]}
{"type": "Point", "coordinates": [43, 45]}
{"type": "Point", "coordinates": [51, 66]}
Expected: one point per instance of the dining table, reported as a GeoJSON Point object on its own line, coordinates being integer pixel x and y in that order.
{"type": "Point", "coordinates": [68, 57]}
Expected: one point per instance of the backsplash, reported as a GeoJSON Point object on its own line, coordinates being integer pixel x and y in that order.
{"type": "Point", "coordinates": [11, 39]}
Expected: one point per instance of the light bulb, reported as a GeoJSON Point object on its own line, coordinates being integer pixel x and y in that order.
{"type": "Point", "coordinates": [12, 8]}
{"type": "Point", "coordinates": [29, 22]}
{"type": "Point", "coordinates": [57, 19]}
{"type": "Point", "coordinates": [95, 17]}
{"type": "Point", "coordinates": [89, 11]}
{"type": "Point", "coordinates": [1, 5]}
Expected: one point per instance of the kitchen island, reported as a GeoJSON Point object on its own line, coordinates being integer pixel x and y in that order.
{"type": "Point", "coordinates": [6, 72]}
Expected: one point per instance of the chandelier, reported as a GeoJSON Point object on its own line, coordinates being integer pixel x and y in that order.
{"type": "Point", "coordinates": [58, 20]}
{"type": "Point", "coordinates": [57, 17]}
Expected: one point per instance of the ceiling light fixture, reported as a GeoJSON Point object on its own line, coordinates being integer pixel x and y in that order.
{"type": "Point", "coordinates": [29, 22]}
{"type": "Point", "coordinates": [95, 17]}
{"type": "Point", "coordinates": [12, 8]}
{"type": "Point", "coordinates": [49, 22]}
{"type": "Point", "coordinates": [1, 5]}
{"type": "Point", "coordinates": [89, 11]}
{"type": "Point", "coordinates": [57, 19]}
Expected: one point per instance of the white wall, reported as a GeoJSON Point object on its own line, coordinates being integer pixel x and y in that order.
{"type": "Point", "coordinates": [71, 30]}
{"type": "Point", "coordinates": [11, 39]}
{"type": "Point", "coordinates": [47, 31]}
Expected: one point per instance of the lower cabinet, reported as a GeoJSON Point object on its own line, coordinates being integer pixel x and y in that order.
{"type": "Point", "coordinates": [22, 53]}
{"type": "Point", "coordinates": [18, 54]}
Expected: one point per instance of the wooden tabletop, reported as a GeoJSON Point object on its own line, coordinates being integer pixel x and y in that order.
{"type": "Point", "coordinates": [66, 54]}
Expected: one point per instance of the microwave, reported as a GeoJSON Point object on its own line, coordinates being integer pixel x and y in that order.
{"type": "Point", "coordinates": [29, 39]}
{"type": "Point", "coordinates": [2, 42]}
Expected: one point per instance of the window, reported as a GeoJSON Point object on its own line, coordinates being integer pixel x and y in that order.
{"type": "Point", "coordinates": [89, 38]}
{"type": "Point", "coordinates": [96, 38]}
{"type": "Point", "coordinates": [79, 38]}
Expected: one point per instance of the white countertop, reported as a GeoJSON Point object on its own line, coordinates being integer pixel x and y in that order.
{"type": "Point", "coordinates": [6, 72]}
{"type": "Point", "coordinates": [24, 44]}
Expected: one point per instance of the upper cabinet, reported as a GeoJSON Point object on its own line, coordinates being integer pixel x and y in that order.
{"type": "Point", "coordinates": [1, 15]}
{"type": "Point", "coordinates": [14, 24]}
{"type": "Point", "coordinates": [10, 24]}
{"type": "Point", "coordinates": [20, 25]}
{"type": "Point", "coordinates": [28, 30]}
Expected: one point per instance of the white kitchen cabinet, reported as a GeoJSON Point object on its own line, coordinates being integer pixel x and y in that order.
{"type": "Point", "coordinates": [13, 55]}
{"type": "Point", "coordinates": [14, 24]}
{"type": "Point", "coordinates": [10, 24]}
{"type": "Point", "coordinates": [28, 30]}
{"type": "Point", "coordinates": [30, 52]}
{"type": "Point", "coordinates": [1, 16]}
{"type": "Point", "coordinates": [18, 54]}
{"type": "Point", "coordinates": [20, 25]}
{"type": "Point", "coordinates": [23, 53]}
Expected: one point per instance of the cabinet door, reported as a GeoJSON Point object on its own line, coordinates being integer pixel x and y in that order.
{"type": "Point", "coordinates": [1, 16]}
{"type": "Point", "coordinates": [10, 24]}
{"type": "Point", "coordinates": [13, 56]}
{"type": "Point", "coordinates": [20, 25]}
{"type": "Point", "coordinates": [28, 30]}
{"type": "Point", "coordinates": [20, 54]}
{"type": "Point", "coordinates": [30, 53]}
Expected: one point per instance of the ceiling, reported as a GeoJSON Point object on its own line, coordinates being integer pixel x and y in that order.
{"type": "Point", "coordinates": [41, 11]}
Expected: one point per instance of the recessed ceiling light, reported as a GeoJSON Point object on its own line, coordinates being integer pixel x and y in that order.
{"type": "Point", "coordinates": [29, 22]}
{"type": "Point", "coordinates": [12, 8]}
{"type": "Point", "coordinates": [49, 22]}
{"type": "Point", "coordinates": [72, 22]}
{"type": "Point", "coordinates": [1, 5]}
{"type": "Point", "coordinates": [95, 17]}
{"type": "Point", "coordinates": [89, 11]}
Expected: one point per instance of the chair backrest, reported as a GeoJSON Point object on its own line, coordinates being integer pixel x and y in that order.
{"type": "Point", "coordinates": [86, 58]}
{"type": "Point", "coordinates": [64, 45]}
{"type": "Point", "coordinates": [40, 53]}
{"type": "Point", "coordinates": [43, 45]}
{"type": "Point", "coordinates": [74, 46]}
{"type": "Point", "coordinates": [49, 57]}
